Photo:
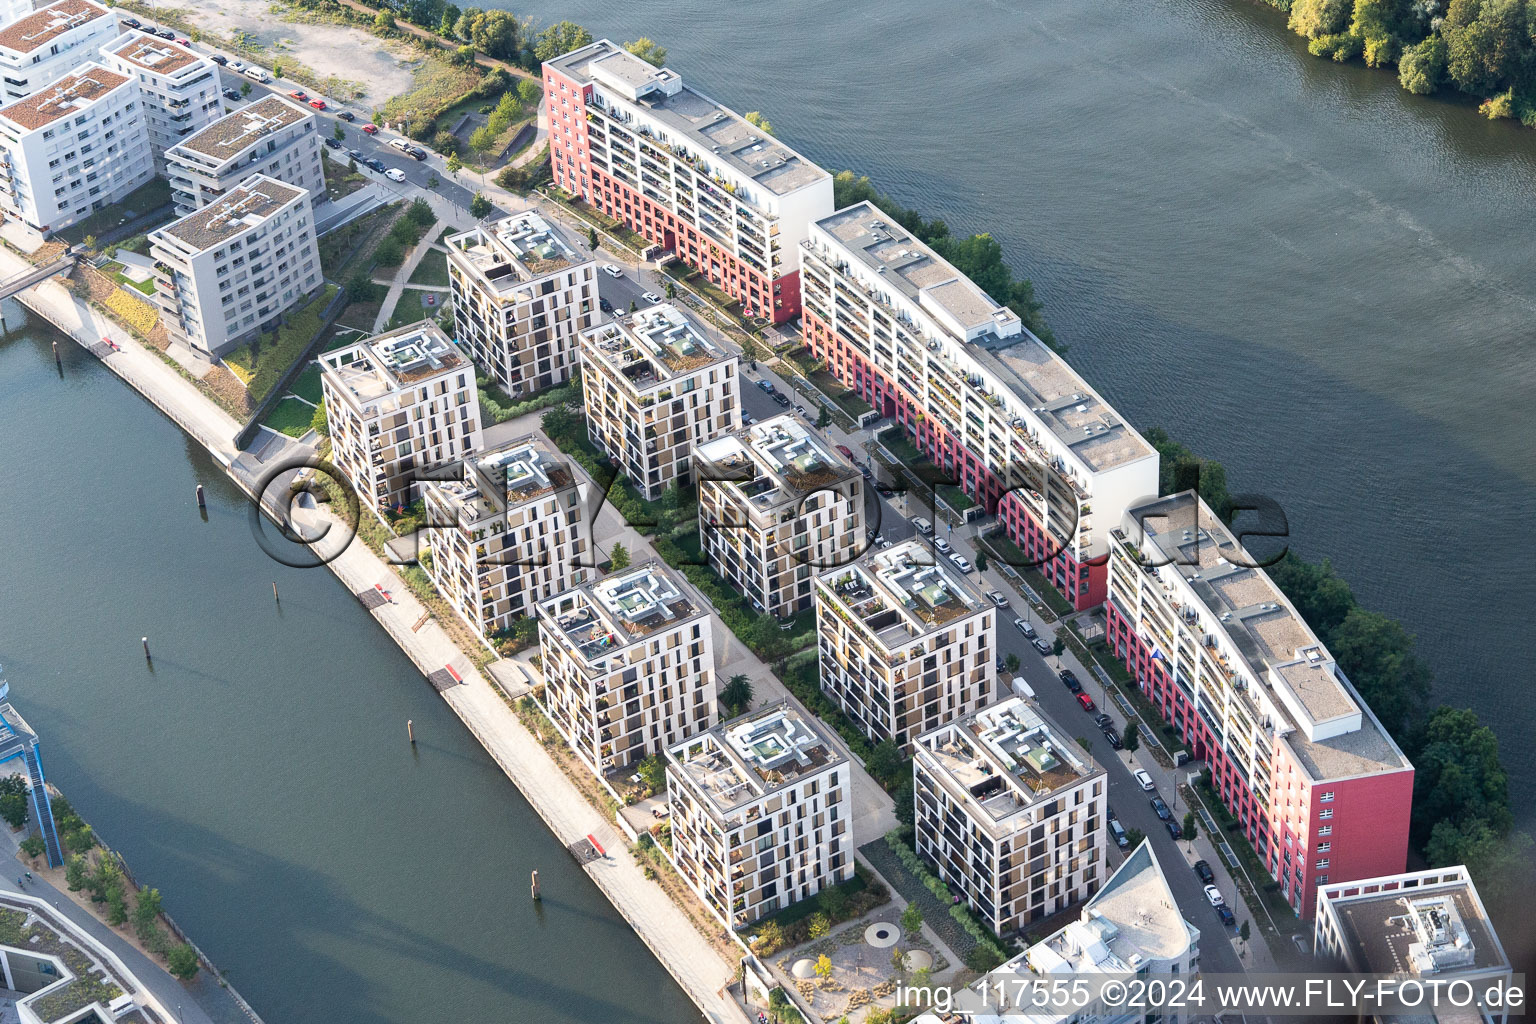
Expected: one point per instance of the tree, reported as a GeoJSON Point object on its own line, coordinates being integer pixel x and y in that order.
{"type": "Point", "coordinates": [146, 910]}
{"type": "Point", "coordinates": [1377, 655]}
{"type": "Point", "coordinates": [618, 558]}
{"type": "Point", "coordinates": [1191, 829]}
{"type": "Point", "coordinates": [833, 902]}
{"type": "Point", "coordinates": [885, 763]}
{"type": "Point", "coordinates": [1319, 593]}
{"type": "Point", "coordinates": [245, 88]}
{"type": "Point", "coordinates": [1133, 837]}
{"type": "Point", "coordinates": [117, 907]}
{"type": "Point", "coordinates": [464, 27]}
{"type": "Point", "coordinates": [912, 919]}
{"type": "Point", "coordinates": [495, 33]}
{"type": "Point", "coordinates": [319, 422]}
{"type": "Point", "coordinates": [89, 241]}
{"type": "Point", "coordinates": [454, 164]}
{"type": "Point", "coordinates": [818, 925]}
{"type": "Point", "coordinates": [449, 20]}
{"type": "Point", "coordinates": [1501, 864]}
{"type": "Point", "coordinates": [1243, 932]}
{"type": "Point", "coordinates": [823, 418]}
{"type": "Point", "coordinates": [33, 846]}
{"type": "Point", "coordinates": [1058, 645]}
{"type": "Point", "coordinates": [591, 238]}
{"type": "Point", "coordinates": [981, 561]}
{"type": "Point", "coordinates": [339, 133]}
{"type": "Point", "coordinates": [1132, 737]}
{"type": "Point", "coordinates": [735, 696]}
{"type": "Point", "coordinates": [483, 139]}
{"type": "Point", "coordinates": [1492, 50]}
{"type": "Point", "coordinates": [389, 253]}
{"type": "Point", "coordinates": [464, 55]}
{"type": "Point", "coordinates": [647, 50]}
{"type": "Point", "coordinates": [13, 800]}
{"type": "Point", "coordinates": [528, 91]}
{"type": "Point", "coordinates": [383, 22]}
{"type": "Point", "coordinates": [653, 770]}
{"type": "Point", "coordinates": [1314, 18]}
{"type": "Point", "coordinates": [277, 69]}
{"type": "Point", "coordinates": [1011, 663]}
{"type": "Point", "coordinates": [1458, 775]}
{"type": "Point", "coordinates": [479, 206]}
{"type": "Point", "coordinates": [560, 38]}
{"type": "Point", "coordinates": [445, 142]}
{"type": "Point", "coordinates": [74, 872]}
{"type": "Point", "coordinates": [182, 962]}
{"type": "Point", "coordinates": [671, 290]}
{"type": "Point", "coordinates": [755, 117]}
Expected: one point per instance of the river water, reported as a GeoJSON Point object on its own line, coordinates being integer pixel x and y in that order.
{"type": "Point", "coordinates": [260, 774]}
{"type": "Point", "coordinates": [1296, 267]}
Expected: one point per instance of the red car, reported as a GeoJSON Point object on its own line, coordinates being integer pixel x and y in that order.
{"type": "Point", "coordinates": [183, 42]}
{"type": "Point", "coordinates": [299, 94]}
{"type": "Point", "coordinates": [845, 452]}
{"type": "Point", "coordinates": [1086, 701]}
{"type": "Point", "coordinates": [371, 129]}
{"type": "Point", "coordinates": [317, 104]}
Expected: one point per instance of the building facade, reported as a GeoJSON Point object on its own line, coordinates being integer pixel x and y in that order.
{"type": "Point", "coordinates": [180, 88]}
{"type": "Point", "coordinates": [905, 641]}
{"type": "Point", "coordinates": [521, 298]}
{"type": "Point", "coordinates": [43, 46]}
{"type": "Point", "coordinates": [983, 398]}
{"type": "Point", "coordinates": [629, 666]}
{"type": "Point", "coordinates": [73, 148]}
{"type": "Point", "coordinates": [1010, 813]}
{"type": "Point", "coordinates": [760, 813]}
{"type": "Point", "coordinates": [1318, 786]}
{"type": "Point", "coordinates": [273, 136]}
{"type": "Point", "coordinates": [777, 506]}
{"type": "Point", "coordinates": [505, 530]}
{"type": "Point", "coordinates": [656, 385]}
{"type": "Point", "coordinates": [399, 405]}
{"type": "Point", "coordinates": [690, 175]}
{"type": "Point", "coordinates": [230, 270]}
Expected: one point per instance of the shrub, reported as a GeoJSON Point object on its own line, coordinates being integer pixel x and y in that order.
{"type": "Point", "coordinates": [182, 962]}
{"type": "Point", "coordinates": [446, 143]}
{"type": "Point", "coordinates": [33, 846]}
{"type": "Point", "coordinates": [390, 253]}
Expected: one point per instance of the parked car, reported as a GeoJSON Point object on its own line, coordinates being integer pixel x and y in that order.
{"type": "Point", "coordinates": [1214, 895]}
{"type": "Point", "coordinates": [766, 386]}
{"type": "Point", "coordinates": [333, 143]}
{"type": "Point", "coordinates": [1086, 703]}
{"type": "Point", "coordinates": [1204, 873]}
{"type": "Point", "coordinates": [1143, 780]}
{"type": "Point", "coordinates": [232, 94]}
{"type": "Point", "coordinates": [1118, 831]}
{"type": "Point", "coordinates": [371, 129]}
{"type": "Point", "coordinates": [604, 305]}
{"type": "Point", "coordinates": [612, 271]}
{"type": "Point", "coordinates": [317, 104]}
{"type": "Point", "coordinates": [1103, 721]}
{"type": "Point", "coordinates": [942, 545]}
{"type": "Point", "coordinates": [416, 153]}
{"type": "Point", "coordinates": [1109, 813]}
{"type": "Point", "coordinates": [1068, 678]}
{"type": "Point", "coordinates": [651, 297]}
{"type": "Point", "coordinates": [998, 598]}
{"type": "Point", "coordinates": [219, 59]}
{"type": "Point", "coordinates": [1174, 830]}
{"type": "Point", "coordinates": [395, 174]}
{"type": "Point", "coordinates": [1023, 627]}
{"type": "Point", "coordinates": [237, 65]}
{"type": "Point", "coordinates": [299, 94]}
{"type": "Point", "coordinates": [399, 144]}
{"type": "Point", "coordinates": [1225, 913]}
{"type": "Point", "coordinates": [844, 451]}
{"type": "Point", "coordinates": [778, 396]}
{"type": "Point", "coordinates": [356, 154]}
{"type": "Point", "coordinates": [132, 22]}
{"type": "Point", "coordinates": [183, 41]}
{"type": "Point", "coordinates": [257, 75]}
{"type": "Point", "coordinates": [961, 562]}
{"type": "Point", "coordinates": [923, 526]}
{"type": "Point", "coordinates": [1115, 742]}
{"type": "Point", "coordinates": [166, 33]}
{"type": "Point", "coordinates": [376, 164]}
{"type": "Point", "coordinates": [1040, 645]}
{"type": "Point", "coordinates": [747, 419]}
{"type": "Point", "coordinates": [1161, 808]}
{"type": "Point", "coordinates": [347, 115]}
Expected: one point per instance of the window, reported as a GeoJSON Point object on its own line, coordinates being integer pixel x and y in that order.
{"type": "Point", "coordinates": [1324, 847]}
{"type": "Point", "coordinates": [1323, 863]}
{"type": "Point", "coordinates": [1327, 798]}
{"type": "Point", "coordinates": [1320, 880]}
{"type": "Point", "coordinates": [1325, 830]}
{"type": "Point", "coordinates": [1326, 814]}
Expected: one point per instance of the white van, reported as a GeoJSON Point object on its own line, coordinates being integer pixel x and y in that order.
{"type": "Point", "coordinates": [1023, 689]}
{"type": "Point", "coordinates": [923, 526]}
{"type": "Point", "coordinates": [257, 75]}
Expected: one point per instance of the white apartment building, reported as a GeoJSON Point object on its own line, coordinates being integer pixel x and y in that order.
{"type": "Point", "coordinates": [760, 813]}
{"type": "Point", "coordinates": [685, 172]}
{"type": "Point", "coordinates": [506, 529]}
{"type": "Point", "coordinates": [905, 641]}
{"type": "Point", "coordinates": [629, 666]}
{"type": "Point", "coordinates": [14, 10]}
{"type": "Point", "coordinates": [521, 298]}
{"type": "Point", "coordinates": [230, 270]}
{"type": "Point", "coordinates": [72, 148]}
{"type": "Point", "coordinates": [43, 46]}
{"type": "Point", "coordinates": [656, 385]}
{"type": "Point", "coordinates": [1010, 813]}
{"type": "Point", "coordinates": [1428, 926]}
{"type": "Point", "coordinates": [1131, 928]}
{"type": "Point", "coordinates": [399, 404]}
{"type": "Point", "coordinates": [982, 396]}
{"type": "Point", "coordinates": [273, 136]}
{"type": "Point", "coordinates": [777, 506]}
{"type": "Point", "coordinates": [180, 88]}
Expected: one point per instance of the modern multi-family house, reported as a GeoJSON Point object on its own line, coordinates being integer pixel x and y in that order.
{"type": "Point", "coordinates": [760, 813]}
{"type": "Point", "coordinates": [521, 296]}
{"type": "Point", "coordinates": [984, 398]}
{"type": "Point", "coordinates": [906, 642]}
{"type": "Point", "coordinates": [505, 530]}
{"type": "Point", "coordinates": [685, 172]}
{"type": "Point", "coordinates": [777, 506]}
{"type": "Point", "coordinates": [1010, 812]}
{"type": "Point", "coordinates": [629, 667]}
{"type": "Point", "coordinates": [273, 136]}
{"type": "Point", "coordinates": [1427, 926]}
{"type": "Point", "coordinates": [399, 404]}
{"type": "Point", "coordinates": [230, 270]}
{"type": "Point", "coordinates": [1319, 787]}
{"type": "Point", "coordinates": [180, 88]}
{"type": "Point", "coordinates": [72, 148]}
{"type": "Point", "coordinates": [1131, 928]}
{"type": "Point", "coordinates": [656, 385]}
{"type": "Point", "coordinates": [43, 46]}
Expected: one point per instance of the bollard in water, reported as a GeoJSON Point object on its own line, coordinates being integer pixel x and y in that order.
{"type": "Point", "coordinates": [202, 502]}
{"type": "Point", "coordinates": [536, 883]}
{"type": "Point", "coordinates": [274, 592]}
{"type": "Point", "coordinates": [145, 642]}
{"type": "Point", "coordinates": [410, 731]}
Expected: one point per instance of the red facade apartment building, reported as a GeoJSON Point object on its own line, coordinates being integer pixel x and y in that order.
{"type": "Point", "coordinates": [685, 172]}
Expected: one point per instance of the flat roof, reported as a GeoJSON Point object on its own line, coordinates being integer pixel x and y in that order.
{"type": "Point", "coordinates": [989, 333]}
{"type": "Point", "coordinates": [160, 56]}
{"type": "Point", "coordinates": [716, 132]}
{"type": "Point", "coordinates": [515, 250]}
{"type": "Point", "coordinates": [903, 592]}
{"type": "Point", "coordinates": [69, 95]}
{"type": "Point", "coordinates": [775, 461]}
{"type": "Point", "coordinates": [395, 361]}
{"type": "Point", "coordinates": [1008, 756]}
{"type": "Point", "coordinates": [605, 617]}
{"type": "Point", "coordinates": [507, 476]}
{"type": "Point", "coordinates": [1435, 930]}
{"type": "Point", "coordinates": [246, 206]}
{"type": "Point", "coordinates": [754, 754]}
{"type": "Point", "coordinates": [43, 26]}
{"type": "Point", "coordinates": [238, 130]}
{"type": "Point", "coordinates": [655, 344]}
{"type": "Point", "coordinates": [1278, 647]}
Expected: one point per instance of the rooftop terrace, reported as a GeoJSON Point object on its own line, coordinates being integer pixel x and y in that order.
{"type": "Point", "coordinates": [40, 28]}
{"type": "Point", "coordinates": [902, 592]}
{"type": "Point", "coordinates": [990, 335]}
{"type": "Point", "coordinates": [712, 132]}
{"type": "Point", "coordinates": [247, 206]}
{"type": "Point", "coordinates": [1007, 757]}
{"type": "Point", "coordinates": [754, 755]}
{"type": "Point", "coordinates": [507, 476]}
{"type": "Point", "coordinates": [600, 619]}
{"type": "Point", "coordinates": [775, 461]}
{"type": "Point", "coordinates": [160, 56]}
{"type": "Point", "coordinates": [392, 362]}
{"type": "Point", "coordinates": [654, 345]}
{"type": "Point", "coordinates": [515, 250]}
{"type": "Point", "coordinates": [64, 98]}
{"type": "Point", "coordinates": [236, 132]}
{"type": "Point", "coordinates": [1436, 929]}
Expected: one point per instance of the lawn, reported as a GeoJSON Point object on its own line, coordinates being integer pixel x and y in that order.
{"type": "Point", "coordinates": [147, 198]}
{"type": "Point", "coordinates": [432, 271]}
{"type": "Point", "coordinates": [290, 416]}
{"type": "Point", "coordinates": [271, 356]}
{"type": "Point", "coordinates": [409, 310]}
{"type": "Point", "coordinates": [115, 271]}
